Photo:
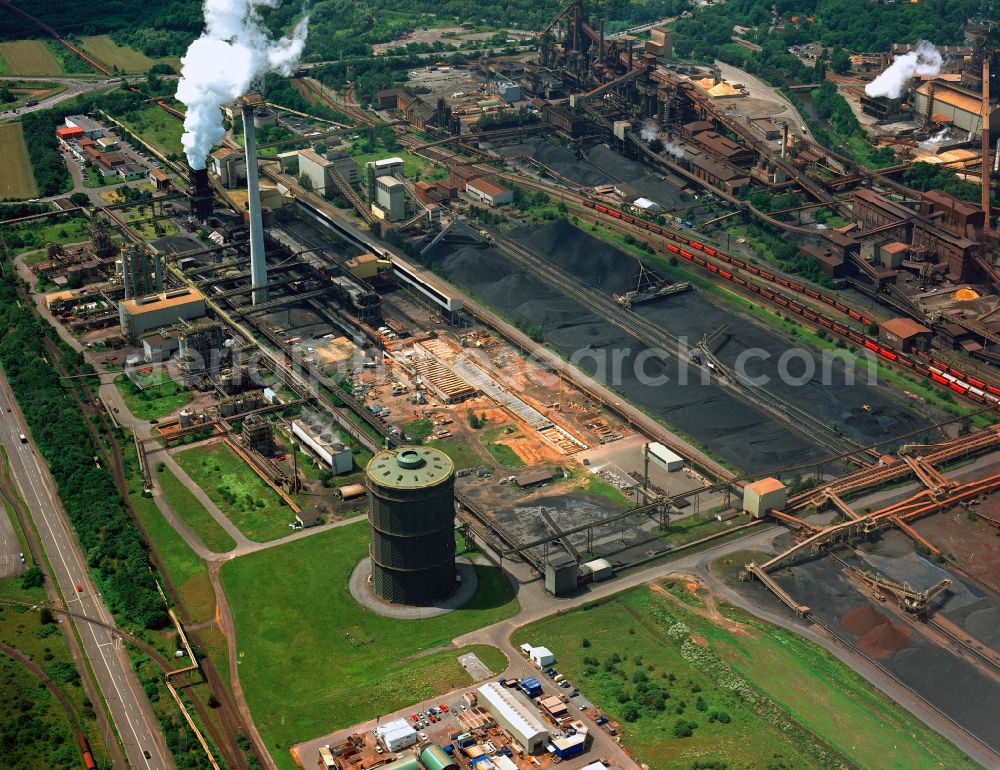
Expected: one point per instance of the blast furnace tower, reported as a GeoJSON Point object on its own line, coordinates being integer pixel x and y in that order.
{"type": "Point", "coordinates": [412, 513]}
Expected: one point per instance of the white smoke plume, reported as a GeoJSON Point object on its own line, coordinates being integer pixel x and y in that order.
{"type": "Point", "coordinates": [674, 149]}
{"type": "Point", "coordinates": [220, 65]}
{"type": "Point", "coordinates": [649, 131]}
{"type": "Point", "coordinates": [924, 61]}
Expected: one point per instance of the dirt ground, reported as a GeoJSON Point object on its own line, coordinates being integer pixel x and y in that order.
{"type": "Point", "coordinates": [972, 544]}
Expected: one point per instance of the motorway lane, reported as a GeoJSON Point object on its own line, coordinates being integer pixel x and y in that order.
{"type": "Point", "coordinates": [133, 717]}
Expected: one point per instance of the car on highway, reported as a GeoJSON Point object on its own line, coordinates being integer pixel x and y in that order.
{"type": "Point", "coordinates": [146, 754]}
{"type": "Point", "coordinates": [8, 408]}
{"type": "Point", "coordinates": [79, 589]}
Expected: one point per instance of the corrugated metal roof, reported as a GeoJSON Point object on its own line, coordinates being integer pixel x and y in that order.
{"type": "Point", "coordinates": [515, 709]}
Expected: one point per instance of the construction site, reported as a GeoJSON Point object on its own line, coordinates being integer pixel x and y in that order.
{"type": "Point", "coordinates": [582, 360]}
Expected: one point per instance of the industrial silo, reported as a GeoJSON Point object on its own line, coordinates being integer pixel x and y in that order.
{"type": "Point", "coordinates": [411, 511]}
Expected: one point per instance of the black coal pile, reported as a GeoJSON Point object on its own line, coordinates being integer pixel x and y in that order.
{"type": "Point", "coordinates": [740, 435]}
{"type": "Point", "coordinates": [599, 165]}
{"type": "Point", "coordinates": [865, 412]}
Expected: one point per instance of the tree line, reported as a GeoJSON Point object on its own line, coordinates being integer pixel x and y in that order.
{"type": "Point", "coordinates": [114, 549]}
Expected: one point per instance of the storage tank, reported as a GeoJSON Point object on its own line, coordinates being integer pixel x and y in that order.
{"type": "Point", "coordinates": [435, 758]}
{"type": "Point", "coordinates": [411, 512]}
{"type": "Point", "coordinates": [186, 418]}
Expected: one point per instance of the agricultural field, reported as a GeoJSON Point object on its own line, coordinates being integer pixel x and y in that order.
{"type": "Point", "coordinates": [309, 667]}
{"type": "Point", "coordinates": [195, 515]}
{"type": "Point", "coordinates": [17, 180]}
{"type": "Point", "coordinates": [702, 682]}
{"type": "Point", "coordinates": [120, 58]}
{"type": "Point", "coordinates": [29, 57]}
{"type": "Point", "coordinates": [155, 401]}
{"type": "Point", "coordinates": [240, 493]}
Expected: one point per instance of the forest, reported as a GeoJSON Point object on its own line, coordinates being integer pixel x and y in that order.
{"type": "Point", "coordinates": [115, 551]}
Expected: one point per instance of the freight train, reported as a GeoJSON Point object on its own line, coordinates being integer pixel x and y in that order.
{"type": "Point", "coordinates": [88, 755]}
{"type": "Point", "coordinates": [920, 364]}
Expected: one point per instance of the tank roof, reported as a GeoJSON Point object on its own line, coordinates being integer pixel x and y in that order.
{"type": "Point", "coordinates": [410, 467]}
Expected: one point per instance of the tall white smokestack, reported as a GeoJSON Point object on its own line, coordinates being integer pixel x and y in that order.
{"type": "Point", "coordinates": [258, 265]}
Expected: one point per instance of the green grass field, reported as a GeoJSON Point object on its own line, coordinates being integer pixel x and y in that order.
{"type": "Point", "coordinates": [194, 514]}
{"type": "Point", "coordinates": [154, 402]}
{"type": "Point", "coordinates": [240, 493]}
{"type": "Point", "coordinates": [156, 126]}
{"type": "Point", "coordinates": [312, 660]}
{"type": "Point", "coordinates": [461, 453]}
{"type": "Point", "coordinates": [502, 453]}
{"type": "Point", "coordinates": [788, 702]}
{"type": "Point", "coordinates": [120, 58]}
{"type": "Point", "coordinates": [29, 57]}
{"type": "Point", "coordinates": [36, 235]}
{"type": "Point", "coordinates": [185, 569]}
{"type": "Point", "coordinates": [17, 180]}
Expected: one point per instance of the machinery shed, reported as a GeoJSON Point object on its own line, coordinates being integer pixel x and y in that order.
{"type": "Point", "coordinates": [515, 714]}
{"type": "Point", "coordinates": [664, 457]}
{"type": "Point", "coordinates": [599, 569]}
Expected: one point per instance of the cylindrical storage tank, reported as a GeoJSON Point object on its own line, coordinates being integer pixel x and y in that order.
{"type": "Point", "coordinates": [435, 758]}
{"type": "Point", "coordinates": [406, 763]}
{"type": "Point", "coordinates": [411, 511]}
{"type": "Point", "coordinates": [186, 418]}
{"type": "Point", "coordinates": [262, 117]}
{"type": "Point", "coordinates": [350, 491]}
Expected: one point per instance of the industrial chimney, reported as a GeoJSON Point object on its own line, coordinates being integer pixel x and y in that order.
{"type": "Point", "coordinates": [258, 266]}
{"type": "Point", "coordinates": [200, 194]}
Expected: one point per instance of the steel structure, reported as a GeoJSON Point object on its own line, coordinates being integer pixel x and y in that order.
{"type": "Point", "coordinates": [412, 518]}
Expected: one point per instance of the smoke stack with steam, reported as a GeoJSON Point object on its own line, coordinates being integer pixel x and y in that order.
{"type": "Point", "coordinates": [923, 61]}
{"type": "Point", "coordinates": [220, 65]}
{"type": "Point", "coordinates": [200, 194]}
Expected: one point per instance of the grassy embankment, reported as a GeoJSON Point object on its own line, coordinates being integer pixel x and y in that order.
{"type": "Point", "coordinates": [751, 695]}
{"type": "Point", "coordinates": [310, 667]}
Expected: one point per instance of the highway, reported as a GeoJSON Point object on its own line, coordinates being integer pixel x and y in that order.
{"type": "Point", "coordinates": [133, 717]}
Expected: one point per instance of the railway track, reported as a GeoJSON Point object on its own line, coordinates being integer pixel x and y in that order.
{"type": "Point", "coordinates": [659, 339]}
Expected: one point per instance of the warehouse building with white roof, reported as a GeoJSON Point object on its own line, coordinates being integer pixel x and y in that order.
{"type": "Point", "coordinates": [515, 714]}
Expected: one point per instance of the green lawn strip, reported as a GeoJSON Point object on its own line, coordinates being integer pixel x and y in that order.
{"type": "Point", "coordinates": [463, 455]}
{"type": "Point", "coordinates": [240, 493]}
{"type": "Point", "coordinates": [194, 514]}
{"type": "Point", "coordinates": [595, 485]}
{"type": "Point", "coordinates": [154, 402]}
{"type": "Point", "coordinates": [308, 667]}
{"type": "Point", "coordinates": [691, 528]}
{"type": "Point", "coordinates": [186, 570]}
